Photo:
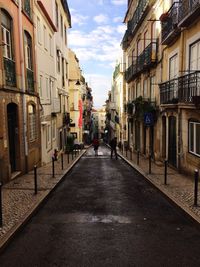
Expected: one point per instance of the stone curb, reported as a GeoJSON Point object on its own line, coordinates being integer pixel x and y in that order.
{"type": "Point", "coordinates": [165, 192]}
{"type": "Point", "coordinates": [4, 241]}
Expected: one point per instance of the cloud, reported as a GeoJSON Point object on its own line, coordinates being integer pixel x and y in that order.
{"type": "Point", "coordinates": [121, 29]}
{"type": "Point", "coordinates": [117, 19]}
{"type": "Point", "coordinates": [119, 2]}
{"type": "Point", "coordinates": [101, 18]}
{"type": "Point", "coordinates": [77, 18]}
{"type": "Point", "coordinates": [100, 85]}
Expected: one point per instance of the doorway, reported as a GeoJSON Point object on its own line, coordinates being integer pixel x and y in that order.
{"type": "Point", "coordinates": [13, 129]}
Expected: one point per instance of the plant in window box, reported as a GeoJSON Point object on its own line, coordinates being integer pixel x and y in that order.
{"type": "Point", "coordinates": [164, 17]}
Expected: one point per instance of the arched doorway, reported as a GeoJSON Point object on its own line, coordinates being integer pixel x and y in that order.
{"type": "Point", "coordinates": [12, 117]}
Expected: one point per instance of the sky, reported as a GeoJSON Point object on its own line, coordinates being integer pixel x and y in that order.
{"type": "Point", "coordinates": [96, 34]}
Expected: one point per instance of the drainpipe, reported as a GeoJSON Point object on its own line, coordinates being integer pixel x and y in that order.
{"type": "Point", "coordinates": [22, 85]}
{"type": "Point", "coordinates": [180, 148]}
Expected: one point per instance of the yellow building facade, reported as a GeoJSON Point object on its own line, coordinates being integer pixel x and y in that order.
{"type": "Point", "coordinates": [162, 51]}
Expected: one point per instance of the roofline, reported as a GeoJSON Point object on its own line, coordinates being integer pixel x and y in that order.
{"type": "Point", "coordinates": [66, 8]}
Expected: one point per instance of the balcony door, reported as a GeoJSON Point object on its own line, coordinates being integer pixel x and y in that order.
{"type": "Point", "coordinates": [173, 74]}
{"type": "Point", "coordinates": [12, 117]}
{"type": "Point", "coordinates": [172, 146]}
{"type": "Point", "coordinates": [195, 56]}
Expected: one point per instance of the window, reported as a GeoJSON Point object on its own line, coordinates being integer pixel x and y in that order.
{"type": "Point", "coordinates": [6, 26]}
{"type": "Point", "coordinates": [40, 85]}
{"type": "Point", "coordinates": [58, 60]}
{"type": "Point", "coordinates": [27, 8]}
{"type": "Point", "coordinates": [54, 129]}
{"type": "Point", "coordinates": [61, 25]}
{"type": "Point", "coordinates": [173, 67]}
{"type": "Point", "coordinates": [28, 50]}
{"type": "Point", "coordinates": [145, 93]}
{"type": "Point", "coordinates": [45, 37]}
{"type": "Point", "coordinates": [32, 122]}
{"type": "Point", "coordinates": [65, 33]}
{"type": "Point", "coordinates": [195, 56]}
{"type": "Point", "coordinates": [39, 30]}
{"type": "Point", "coordinates": [57, 23]}
{"type": "Point", "coordinates": [47, 88]}
{"type": "Point", "coordinates": [138, 89]}
{"type": "Point", "coordinates": [194, 140]}
{"type": "Point", "coordinates": [50, 45]}
{"type": "Point", "coordinates": [152, 88]}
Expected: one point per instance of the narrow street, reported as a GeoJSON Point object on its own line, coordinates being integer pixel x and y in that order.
{"type": "Point", "coordinates": [105, 214]}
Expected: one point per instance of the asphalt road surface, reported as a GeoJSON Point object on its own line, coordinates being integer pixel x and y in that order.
{"type": "Point", "coordinates": [105, 214]}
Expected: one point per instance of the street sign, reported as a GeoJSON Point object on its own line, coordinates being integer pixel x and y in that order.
{"type": "Point", "coordinates": [148, 119]}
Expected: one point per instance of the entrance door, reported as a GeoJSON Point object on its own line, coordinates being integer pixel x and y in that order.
{"type": "Point", "coordinates": [12, 112]}
{"type": "Point", "coordinates": [172, 141]}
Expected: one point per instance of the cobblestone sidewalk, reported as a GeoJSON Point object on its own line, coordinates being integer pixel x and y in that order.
{"type": "Point", "coordinates": [179, 188]}
{"type": "Point", "coordinates": [18, 196]}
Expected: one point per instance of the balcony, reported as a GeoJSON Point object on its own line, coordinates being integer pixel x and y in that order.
{"type": "Point", "coordinates": [189, 87]}
{"type": "Point", "coordinates": [189, 10]}
{"type": "Point", "coordinates": [135, 22]}
{"type": "Point", "coordinates": [185, 89]}
{"type": "Point", "coordinates": [146, 60]}
{"type": "Point", "coordinates": [169, 22]}
{"type": "Point", "coordinates": [10, 74]}
{"type": "Point", "coordinates": [30, 80]}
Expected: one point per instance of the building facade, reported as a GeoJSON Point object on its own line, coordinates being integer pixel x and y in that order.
{"type": "Point", "coordinates": [20, 141]}
{"type": "Point", "coordinates": [161, 45]}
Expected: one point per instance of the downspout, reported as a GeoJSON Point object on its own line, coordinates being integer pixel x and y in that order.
{"type": "Point", "coordinates": [180, 142]}
{"type": "Point", "coordinates": [22, 85]}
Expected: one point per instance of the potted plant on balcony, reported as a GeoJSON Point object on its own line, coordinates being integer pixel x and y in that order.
{"type": "Point", "coordinates": [164, 17]}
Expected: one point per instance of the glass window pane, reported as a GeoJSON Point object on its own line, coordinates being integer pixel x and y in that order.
{"type": "Point", "coordinates": [198, 139]}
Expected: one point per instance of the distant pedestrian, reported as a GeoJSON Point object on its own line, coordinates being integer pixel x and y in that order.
{"type": "Point", "coordinates": [113, 145]}
{"type": "Point", "coordinates": [96, 146]}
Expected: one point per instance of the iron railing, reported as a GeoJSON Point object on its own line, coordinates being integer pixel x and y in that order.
{"type": "Point", "coordinates": [30, 80]}
{"type": "Point", "coordinates": [189, 86]}
{"type": "Point", "coordinates": [10, 74]}
{"type": "Point", "coordinates": [187, 7]}
{"type": "Point", "coordinates": [181, 90]}
{"type": "Point", "coordinates": [169, 23]}
{"type": "Point", "coordinates": [169, 92]}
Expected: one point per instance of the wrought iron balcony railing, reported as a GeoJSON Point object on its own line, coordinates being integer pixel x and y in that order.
{"type": "Point", "coordinates": [184, 89]}
{"type": "Point", "coordinates": [169, 22]}
{"type": "Point", "coordinates": [10, 74]}
{"type": "Point", "coordinates": [30, 80]}
{"type": "Point", "coordinates": [188, 11]}
{"type": "Point", "coordinates": [189, 87]}
{"type": "Point", "coordinates": [144, 61]}
{"type": "Point", "coordinates": [135, 22]}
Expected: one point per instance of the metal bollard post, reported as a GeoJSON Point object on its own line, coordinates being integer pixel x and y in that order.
{"type": "Point", "coordinates": [150, 163]}
{"type": "Point", "coordinates": [1, 213]}
{"type": "Point", "coordinates": [165, 174]}
{"type": "Point", "coordinates": [35, 179]}
{"type": "Point", "coordinates": [138, 157]}
{"type": "Point", "coordinates": [126, 152]}
{"type": "Point", "coordinates": [62, 161]}
{"type": "Point", "coordinates": [72, 154]}
{"type": "Point", "coordinates": [75, 153]}
{"type": "Point", "coordinates": [130, 154]}
{"type": "Point", "coordinates": [196, 179]}
{"type": "Point", "coordinates": [53, 167]}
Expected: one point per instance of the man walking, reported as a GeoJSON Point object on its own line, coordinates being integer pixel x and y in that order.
{"type": "Point", "coordinates": [113, 145]}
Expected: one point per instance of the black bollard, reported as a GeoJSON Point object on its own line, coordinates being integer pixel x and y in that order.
{"type": "Point", "coordinates": [62, 161]}
{"type": "Point", "coordinates": [53, 167]}
{"type": "Point", "coordinates": [130, 154]}
{"type": "Point", "coordinates": [72, 154]}
{"type": "Point", "coordinates": [196, 179]}
{"type": "Point", "coordinates": [35, 179]}
{"type": "Point", "coordinates": [1, 213]}
{"type": "Point", "coordinates": [165, 174]}
{"type": "Point", "coordinates": [126, 152]}
{"type": "Point", "coordinates": [150, 163]}
{"type": "Point", "coordinates": [138, 157]}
